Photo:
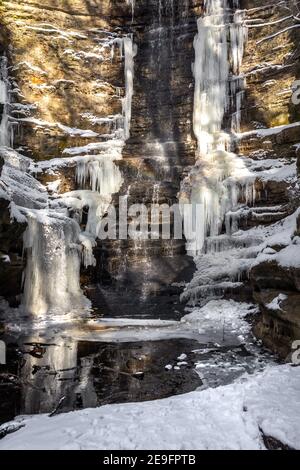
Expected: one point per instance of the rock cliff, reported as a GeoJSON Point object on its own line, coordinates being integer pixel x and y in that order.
{"type": "Point", "coordinates": [68, 99]}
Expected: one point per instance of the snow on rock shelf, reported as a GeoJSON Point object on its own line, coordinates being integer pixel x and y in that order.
{"type": "Point", "coordinates": [233, 417]}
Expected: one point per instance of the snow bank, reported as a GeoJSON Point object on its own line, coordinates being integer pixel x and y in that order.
{"type": "Point", "coordinates": [229, 417]}
{"type": "Point", "coordinates": [267, 132]}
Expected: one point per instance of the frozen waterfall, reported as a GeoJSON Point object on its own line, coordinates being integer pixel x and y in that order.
{"type": "Point", "coordinates": [53, 265]}
{"type": "Point", "coordinates": [132, 3]}
{"type": "Point", "coordinates": [219, 176]}
{"type": "Point", "coordinates": [129, 54]}
{"type": "Point", "coordinates": [5, 128]}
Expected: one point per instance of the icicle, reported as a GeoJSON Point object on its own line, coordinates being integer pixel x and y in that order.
{"type": "Point", "coordinates": [156, 193]}
{"type": "Point", "coordinates": [238, 37]}
{"type": "Point", "coordinates": [6, 135]}
{"type": "Point", "coordinates": [129, 54]}
{"type": "Point", "coordinates": [88, 243]}
{"type": "Point", "coordinates": [53, 265]}
{"type": "Point", "coordinates": [211, 183]}
{"type": "Point", "coordinates": [102, 174]}
{"type": "Point", "coordinates": [132, 3]}
{"type": "Point", "coordinates": [211, 71]}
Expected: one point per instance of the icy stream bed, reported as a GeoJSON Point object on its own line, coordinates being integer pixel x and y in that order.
{"type": "Point", "coordinates": [105, 361]}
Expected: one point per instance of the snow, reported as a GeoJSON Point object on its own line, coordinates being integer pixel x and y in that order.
{"type": "Point", "coordinates": [18, 185]}
{"type": "Point", "coordinates": [48, 28]}
{"type": "Point", "coordinates": [227, 259]}
{"type": "Point", "coordinates": [268, 131]}
{"type": "Point", "coordinates": [276, 302]}
{"type": "Point", "coordinates": [130, 50]}
{"type": "Point", "coordinates": [226, 418]}
{"type": "Point", "coordinates": [182, 357]}
{"type": "Point", "coordinates": [107, 146]}
{"type": "Point", "coordinates": [71, 131]}
{"type": "Point", "coordinates": [281, 234]}
{"type": "Point", "coordinates": [31, 67]}
{"type": "Point", "coordinates": [221, 317]}
{"type": "Point", "coordinates": [286, 173]}
{"type": "Point", "coordinates": [289, 257]}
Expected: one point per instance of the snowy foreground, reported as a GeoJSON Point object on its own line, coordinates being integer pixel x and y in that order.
{"type": "Point", "coordinates": [229, 417]}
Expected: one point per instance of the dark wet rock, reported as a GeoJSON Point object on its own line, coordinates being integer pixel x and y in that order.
{"type": "Point", "coordinates": [274, 444]}
{"type": "Point", "coordinates": [279, 327]}
{"type": "Point", "coordinates": [11, 259]}
{"type": "Point", "coordinates": [269, 274]}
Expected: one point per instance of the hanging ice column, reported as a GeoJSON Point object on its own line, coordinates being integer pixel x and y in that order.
{"type": "Point", "coordinates": [211, 71]}
{"type": "Point", "coordinates": [219, 47]}
{"type": "Point", "coordinates": [129, 54]}
{"type": "Point", "coordinates": [132, 3]}
{"type": "Point", "coordinates": [5, 128]}
{"type": "Point", "coordinates": [53, 265]}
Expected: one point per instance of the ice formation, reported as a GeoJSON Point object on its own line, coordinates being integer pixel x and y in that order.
{"type": "Point", "coordinates": [132, 3]}
{"type": "Point", "coordinates": [6, 135]}
{"type": "Point", "coordinates": [58, 237]}
{"type": "Point", "coordinates": [219, 178]}
{"type": "Point", "coordinates": [53, 264]}
{"type": "Point", "coordinates": [101, 172]}
{"type": "Point", "coordinates": [129, 54]}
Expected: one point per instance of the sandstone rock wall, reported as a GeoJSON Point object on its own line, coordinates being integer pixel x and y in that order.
{"type": "Point", "coordinates": [272, 66]}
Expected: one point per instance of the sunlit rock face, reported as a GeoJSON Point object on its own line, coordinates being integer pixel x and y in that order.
{"type": "Point", "coordinates": [272, 66]}
{"type": "Point", "coordinates": [61, 57]}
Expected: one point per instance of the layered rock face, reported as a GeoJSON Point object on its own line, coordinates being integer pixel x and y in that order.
{"type": "Point", "coordinates": [272, 68]}
{"type": "Point", "coordinates": [250, 244]}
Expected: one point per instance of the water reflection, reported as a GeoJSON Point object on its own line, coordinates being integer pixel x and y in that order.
{"type": "Point", "coordinates": [48, 374]}
{"type": "Point", "coordinates": [61, 374]}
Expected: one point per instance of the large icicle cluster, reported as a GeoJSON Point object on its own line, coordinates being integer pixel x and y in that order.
{"type": "Point", "coordinates": [219, 178]}
{"type": "Point", "coordinates": [101, 172]}
{"type": "Point", "coordinates": [53, 264]}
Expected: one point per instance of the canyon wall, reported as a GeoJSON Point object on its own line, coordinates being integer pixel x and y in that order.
{"type": "Point", "coordinates": [66, 63]}
{"type": "Point", "coordinates": [272, 66]}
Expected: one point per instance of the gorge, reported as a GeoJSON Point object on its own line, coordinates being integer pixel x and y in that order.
{"type": "Point", "coordinates": [153, 102]}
